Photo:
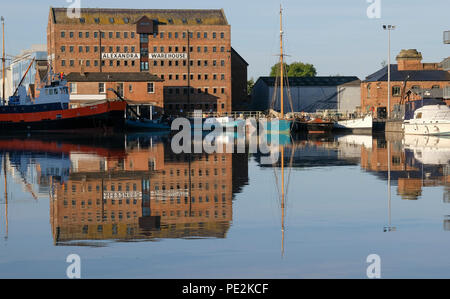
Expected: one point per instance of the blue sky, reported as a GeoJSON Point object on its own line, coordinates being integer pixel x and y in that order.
{"type": "Point", "coordinates": [336, 36]}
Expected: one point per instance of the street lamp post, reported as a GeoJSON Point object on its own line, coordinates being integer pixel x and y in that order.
{"type": "Point", "coordinates": [389, 28]}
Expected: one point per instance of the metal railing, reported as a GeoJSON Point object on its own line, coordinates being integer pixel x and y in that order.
{"type": "Point", "coordinates": [234, 114]}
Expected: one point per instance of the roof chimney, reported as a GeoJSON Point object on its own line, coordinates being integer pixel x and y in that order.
{"type": "Point", "coordinates": [409, 60]}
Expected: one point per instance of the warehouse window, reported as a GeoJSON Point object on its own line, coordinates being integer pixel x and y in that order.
{"type": "Point", "coordinates": [170, 21]}
{"type": "Point", "coordinates": [110, 34]}
{"type": "Point", "coordinates": [222, 49]}
{"type": "Point", "coordinates": [396, 91]}
{"type": "Point", "coordinates": [132, 34]}
{"type": "Point", "coordinates": [72, 62]}
{"type": "Point", "coordinates": [199, 21]}
{"type": "Point", "coordinates": [222, 35]}
{"type": "Point", "coordinates": [88, 63]}
{"type": "Point", "coordinates": [150, 87]}
{"type": "Point", "coordinates": [63, 49]}
{"type": "Point", "coordinates": [368, 90]}
{"type": "Point", "coordinates": [80, 34]}
{"type": "Point", "coordinates": [111, 20]}
{"type": "Point", "coordinates": [184, 21]}
{"type": "Point", "coordinates": [214, 35]}
{"type": "Point", "coordinates": [176, 34]}
{"type": "Point", "coordinates": [198, 34]}
{"type": "Point", "coordinates": [63, 34]}
{"type": "Point", "coordinates": [63, 63]}
{"type": "Point", "coordinates": [97, 20]}
{"type": "Point", "coordinates": [86, 34]}
{"type": "Point", "coordinates": [117, 34]}
{"type": "Point", "coordinates": [126, 20]}
{"type": "Point", "coordinates": [82, 20]}
{"type": "Point", "coordinates": [95, 34]}
{"type": "Point", "coordinates": [71, 34]}
{"type": "Point", "coordinates": [71, 48]}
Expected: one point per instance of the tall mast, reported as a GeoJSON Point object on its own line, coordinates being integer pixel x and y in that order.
{"type": "Point", "coordinates": [3, 61]}
{"type": "Point", "coordinates": [281, 63]}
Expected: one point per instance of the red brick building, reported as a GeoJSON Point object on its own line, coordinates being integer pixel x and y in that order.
{"type": "Point", "coordinates": [140, 89]}
{"type": "Point", "coordinates": [410, 73]}
{"type": "Point", "coordinates": [189, 49]}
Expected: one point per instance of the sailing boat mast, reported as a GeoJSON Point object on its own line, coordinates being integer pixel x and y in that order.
{"type": "Point", "coordinates": [3, 62]}
{"type": "Point", "coordinates": [281, 63]}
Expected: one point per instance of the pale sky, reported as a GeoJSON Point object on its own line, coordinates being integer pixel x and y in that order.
{"type": "Point", "coordinates": [336, 36]}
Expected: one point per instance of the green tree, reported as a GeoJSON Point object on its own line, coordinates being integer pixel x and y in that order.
{"type": "Point", "coordinates": [275, 70]}
{"type": "Point", "coordinates": [250, 84]}
{"type": "Point", "coordinates": [300, 69]}
{"type": "Point", "coordinates": [295, 69]}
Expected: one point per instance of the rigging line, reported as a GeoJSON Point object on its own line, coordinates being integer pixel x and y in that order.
{"type": "Point", "coordinates": [274, 95]}
{"type": "Point", "coordinates": [289, 93]}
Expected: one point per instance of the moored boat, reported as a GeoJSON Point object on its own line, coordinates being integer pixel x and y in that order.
{"type": "Point", "coordinates": [364, 123]}
{"type": "Point", "coordinates": [429, 120]}
{"type": "Point", "coordinates": [50, 112]}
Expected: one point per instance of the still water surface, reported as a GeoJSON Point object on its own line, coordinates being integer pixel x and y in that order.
{"type": "Point", "coordinates": [131, 208]}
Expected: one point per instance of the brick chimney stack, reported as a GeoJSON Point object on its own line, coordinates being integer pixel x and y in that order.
{"type": "Point", "coordinates": [409, 60]}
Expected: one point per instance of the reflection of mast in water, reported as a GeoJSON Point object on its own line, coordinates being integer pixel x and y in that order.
{"type": "Point", "coordinates": [389, 227]}
{"type": "Point", "coordinates": [6, 195]}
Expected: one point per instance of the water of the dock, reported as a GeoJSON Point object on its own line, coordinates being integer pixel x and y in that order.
{"type": "Point", "coordinates": [131, 208]}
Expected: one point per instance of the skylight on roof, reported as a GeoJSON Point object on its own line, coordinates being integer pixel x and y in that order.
{"type": "Point", "coordinates": [111, 20]}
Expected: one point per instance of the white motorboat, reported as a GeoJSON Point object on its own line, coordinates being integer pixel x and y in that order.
{"type": "Point", "coordinates": [429, 120]}
{"type": "Point", "coordinates": [356, 124]}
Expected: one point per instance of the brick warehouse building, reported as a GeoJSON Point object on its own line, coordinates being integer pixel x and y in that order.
{"type": "Point", "coordinates": [142, 90]}
{"type": "Point", "coordinates": [409, 69]}
{"type": "Point", "coordinates": [189, 49]}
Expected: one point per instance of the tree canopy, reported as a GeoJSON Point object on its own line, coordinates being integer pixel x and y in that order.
{"type": "Point", "coordinates": [295, 69]}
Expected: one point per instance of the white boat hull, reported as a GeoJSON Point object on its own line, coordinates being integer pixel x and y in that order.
{"type": "Point", "coordinates": [434, 129]}
{"type": "Point", "coordinates": [364, 123]}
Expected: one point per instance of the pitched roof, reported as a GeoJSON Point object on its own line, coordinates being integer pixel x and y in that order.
{"type": "Point", "coordinates": [131, 16]}
{"type": "Point", "coordinates": [112, 77]}
{"type": "Point", "coordinates": [312, 81]}
{"type": "Point", "coordinates": [418, 75]}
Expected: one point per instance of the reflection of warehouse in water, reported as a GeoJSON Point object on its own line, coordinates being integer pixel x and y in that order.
{"type": "Point", "coordinates": [149, 194]}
